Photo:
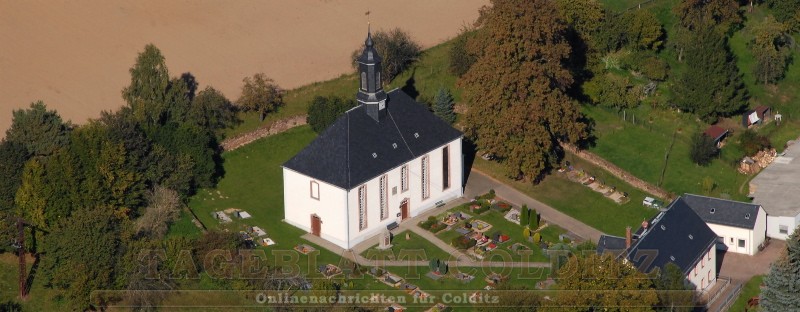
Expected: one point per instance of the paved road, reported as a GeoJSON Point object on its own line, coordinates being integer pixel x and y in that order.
{"type": "Point", "coordinates": [480, 183]}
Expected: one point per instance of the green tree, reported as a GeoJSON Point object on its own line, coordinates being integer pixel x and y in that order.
{"type": "Point", "coordinates": [771, 50]}
{"type": "Point", "coordinates": [524, 216]}
{"type": "Point", "coordinates": [323, 111]}
{"type": "Point", "coordinates": [782, 284]}
{"type": "Point", "coordinates": [644, 31]}
{"type": "Point", "coordinates": [41, 131]}
{"type": "Point", "coordinates": [603, 283]}
{"type": "Point", "coordinates": [674, 294]}
{"type": "Point", "coordinates": [786, 11]}
{"type": "Point", "coordinates": [12, 159]}
{"type": "Point", "coordinates": [711, 86]}
{"type": "Point", "coordinates": [396, 48]}
{"type": "Point", "coordinates": [700, 14]}
{"type": "Point", "coordinates": [461, 59]}
{"type": "Point", "coordinates": [31, 197]}
{"type": "Point", "coordinates": [444, 106]}
{"type": "Point", "coordinates": [611, 90]}
{"type": "Point", "coordinates": [753, 142]}
{"type": "Point", "coordinates": [703, 149]}
{"type": "Point", "coordinates": [212, 111]}
{"type": "Point", "coordinates": [533, 220]}
{"type": "Point", "coordinates": [82, 253]}
{"type": "Point", "coordinates": [260, 94]}
{"type": "Point", "coordinates": [518, 109]}
{"type": "Point", "coordinates": [147, 92]}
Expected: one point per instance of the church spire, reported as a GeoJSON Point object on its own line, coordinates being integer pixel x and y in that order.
{"type": "Point", "coordinates": [370, 93]}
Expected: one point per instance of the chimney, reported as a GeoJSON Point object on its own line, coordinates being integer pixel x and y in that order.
{"type": "Point", "coordinates": [628, 237]}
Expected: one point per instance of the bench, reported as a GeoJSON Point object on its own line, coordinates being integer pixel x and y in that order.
{"type": "Point", "coordinates": [439, 203]}
{"type": "Point", "coordinates": [392, 226]}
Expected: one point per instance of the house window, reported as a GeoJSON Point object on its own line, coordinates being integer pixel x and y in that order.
{"type": "Point", "coordinates": [425, 176]}
{"type": "Point", "coordinates": [384, 197]}
{"type": "Point", "coordinates": [404, 179]}
{"type": "Point", "coordinates": [315, 190]}
{"type": "Point", "coordinates": [695, 270]}
{"type": "Point", "coordinates": [783, 229]}
{"type": "Point", "coordinates": [445, 168]}
{"type": "Point", "coordinates": [741, 243]}
{"type": "Point", "coordinates": [703, 262]}
{"type": "Point", "coordinates": [702, 283]}
{"type": "Point", "coordinates": [709, 255]}
{"type": "Point", "coordinates": [731, 241]}
{"type": "Point", "coordinates": [709, 277]}
{"type": "Point", "coordinates": [364, 81]}
{"type": "Point", "coordinates": [362, 207]}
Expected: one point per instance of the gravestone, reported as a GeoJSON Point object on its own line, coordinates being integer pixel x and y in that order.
{"type": "Point", "coordinates": [385, 240]}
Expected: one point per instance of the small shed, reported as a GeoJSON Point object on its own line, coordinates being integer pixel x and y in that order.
{"type": "Point", "coordinates": [756, 116]}
{"type": "Point", "coordinates": [716, 133]}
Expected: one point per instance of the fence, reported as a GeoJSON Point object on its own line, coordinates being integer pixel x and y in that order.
{"type": "Point", "coordinates": [726, 300]}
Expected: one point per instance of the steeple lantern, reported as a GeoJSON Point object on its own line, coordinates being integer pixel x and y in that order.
{"type": "Point", "coordinates": [370, 91]}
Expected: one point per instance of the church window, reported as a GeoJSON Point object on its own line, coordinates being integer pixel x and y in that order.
{"type": "Point", "coordinates": [445, 168]}
{"type": "Point", "coordinates": [378, 81]}
{"type": "Point", "coordinates": [404, 178]}
{"type": "Point", "coordinates": [425, 175]}
{"type": "Point", "coordinates": [315, 190]}
{"type": "Point", "coordinates": [384, 196]}
{"type": "Point", "coordinates": [362, 207]}
{"type": "Point", "coordinates": [364, 81]}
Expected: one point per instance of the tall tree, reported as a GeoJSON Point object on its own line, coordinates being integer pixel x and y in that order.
{"type": "Point", "coordinates": [698, 14]}
{"type": "Point", "coordinates": [711, 86]}
{"type": "Point", "coordinates": [771, 50]}
{"type": "Point", "coordinates": [782, 284]}
{"type": "Point", "coordinates": [163, 208]}
{"type": "Point", "coordinates": [644, 31]}
{"type": "Point", "coordinates": [41, 131]}
{"type": "Point", "coordinates": [786, 11]}
{"type": "Point", "coordinates": [12, 159]}
{"type": "Point", "coordinates": [603, 283]}
{"type": "Point", "coordinates": [212, 111]}
{"type": "Point", "coordinates": [147, 92]}
{"type": "Point", "coordinates": [516, 89]}
{"type": "Point", "coordinates": [260, 94]}
{"type": "Point", "coordinates": [611, 90]}
{"type": "Point", "coordinates": [444, 106]}
{"type": "Point", "coordinates": [31, 197]}
{"type": "Point", "coordinates": [703, 149]}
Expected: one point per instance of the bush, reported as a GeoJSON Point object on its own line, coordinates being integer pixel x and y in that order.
{"type": "Point", "coordinates": [703, 149]}
{"type": "Point", "coordinates": [648, 64]}
{"type": "Point", "coordinates": [752, 142]}
{"type": "Point", "coordinates": [526, 232]}
{"type": "Point", "coordinates": [463, 242]}
{"type": "Point", "coordinates": [323, 111]}
{"type": "Point", "coordinates": [534, 220]}
{"type": "Point", "coordinates": [537, 238]}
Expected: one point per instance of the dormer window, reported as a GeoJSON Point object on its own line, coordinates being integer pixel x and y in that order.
{"type": "Point", "coordinates": [691, 236]}
{"type": "Point", "coordinates": [663, 228]}
{"type": "Point", "coordinates": [713, 210]}
{"type": "Point", "coordinates": [364, 81]}
{"type": "Point", "coordinates": [747, 216]}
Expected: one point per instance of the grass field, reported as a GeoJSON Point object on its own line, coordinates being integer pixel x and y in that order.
{"type": "Point", "coordinates": [749, 290]}
{"type": "Point", "coordinates": [415, 243]}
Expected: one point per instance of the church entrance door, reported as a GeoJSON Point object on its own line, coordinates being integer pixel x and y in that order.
{"type": "Point", "coordinates": [316, 225]}
{"type": "Point", "coordinates": [404, 210]}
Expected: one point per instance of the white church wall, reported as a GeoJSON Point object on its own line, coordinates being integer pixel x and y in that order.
{"type": "Point", "coordinates": [330, 207]}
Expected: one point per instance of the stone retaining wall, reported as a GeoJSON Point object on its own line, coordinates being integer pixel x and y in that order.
{"type": "Point", "coordinates": [275, 127]}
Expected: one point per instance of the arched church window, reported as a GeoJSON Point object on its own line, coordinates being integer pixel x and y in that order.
{"type": "Point", "coordinates": [364, 81]}
{"type": "Point", "coordinates": [378, 84]}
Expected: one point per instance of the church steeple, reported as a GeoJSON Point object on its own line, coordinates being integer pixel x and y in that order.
{"type": "Point", "coordinates": [370, 91]}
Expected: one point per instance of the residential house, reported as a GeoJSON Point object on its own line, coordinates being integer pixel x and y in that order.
{"type": "Point", "coordinates": [740, 227]}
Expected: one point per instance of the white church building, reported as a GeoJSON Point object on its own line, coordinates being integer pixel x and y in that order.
{"type": "Point", "coordinates": [386, 160]}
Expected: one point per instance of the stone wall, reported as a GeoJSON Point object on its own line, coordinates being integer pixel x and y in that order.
{"type": "Point", "coordinates": [618, 172]}
{"type": "Point", "coordinates": [275, 127]}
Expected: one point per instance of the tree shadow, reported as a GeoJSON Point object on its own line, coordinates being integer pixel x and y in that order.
{"type": "Point", "coordinates": [410, 88]}
{"type": "Point", "coordinates": [591, 139]}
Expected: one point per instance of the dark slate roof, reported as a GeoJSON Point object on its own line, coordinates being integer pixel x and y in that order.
{"type": "Point", "coordinates": [356, 148]}
{"type": "Point", "coordinates": [725, 212]}
{"type": "Point", "coordinates": [676, 235]}
{"type": "Point", "coordinates": [610, 244]}
{"type": "Point", "coordinates": [715, 132]}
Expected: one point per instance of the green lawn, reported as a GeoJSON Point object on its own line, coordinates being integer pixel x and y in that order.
{"type": "Point", "coordinates": [749, 290]}
{"type": "Point", "coordinates": [641, 149]}
{"type": "Point", "coordinates": [414, 244]}
{"type": "Point", "coordinates": [39, 297]}
{"type": "Point", "coordinates": [253, 182]}
{"type": "Point", "coordinates": [579, 201]}
{"type": "Point", "coordinates": [517, 276]}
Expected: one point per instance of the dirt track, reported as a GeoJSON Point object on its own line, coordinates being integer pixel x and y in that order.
{"type": "Point", "coordinates": [75, 55]}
